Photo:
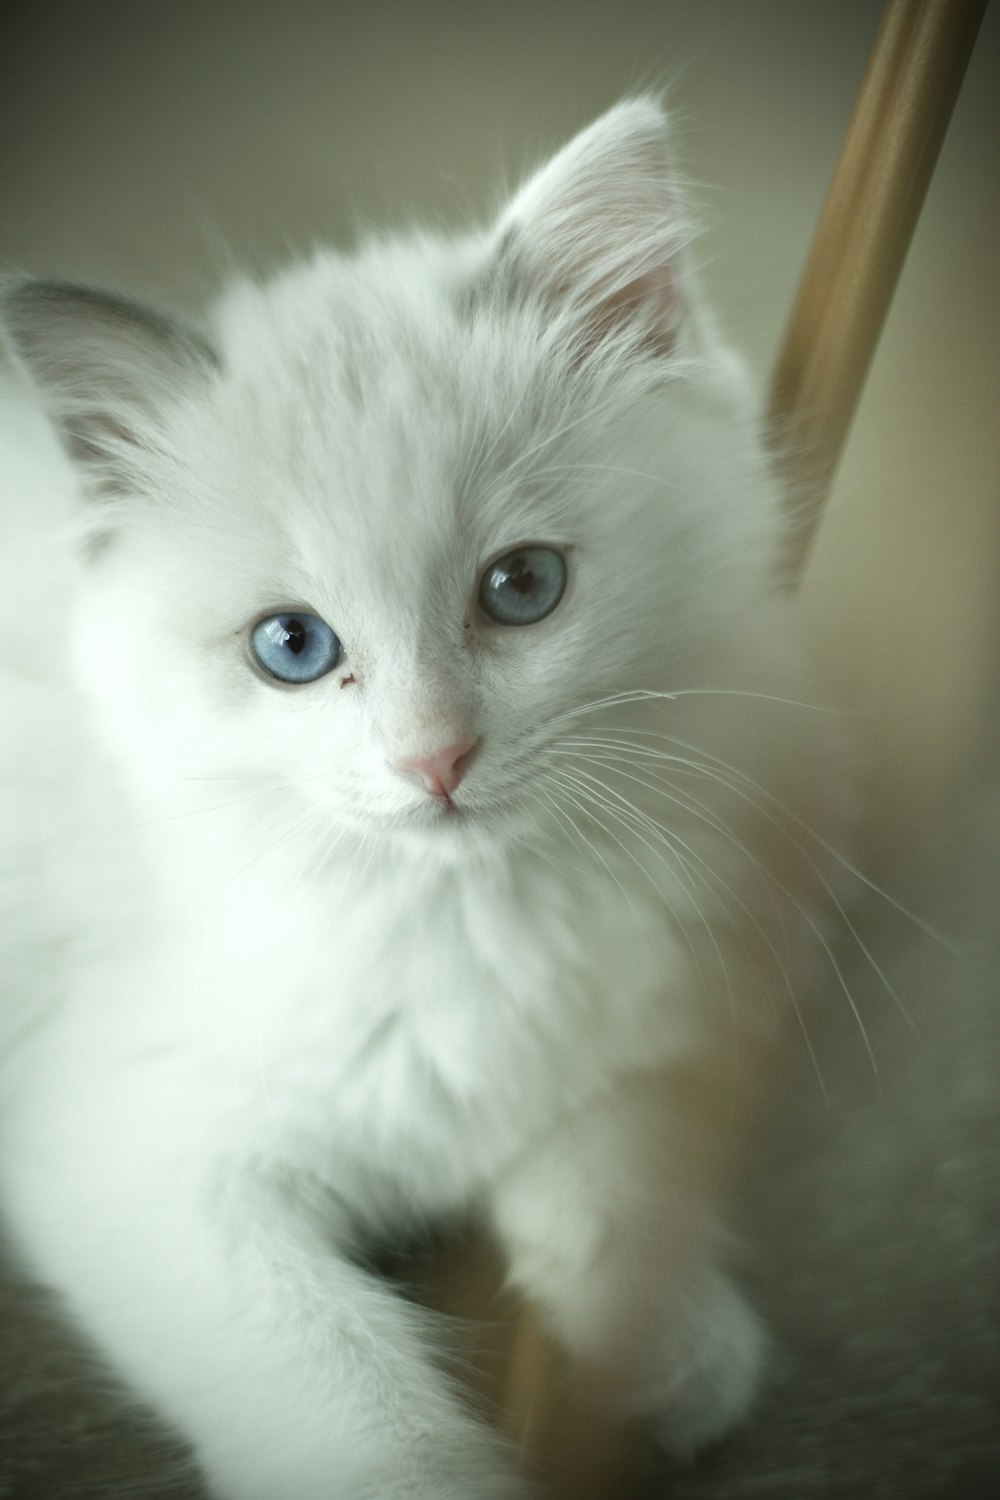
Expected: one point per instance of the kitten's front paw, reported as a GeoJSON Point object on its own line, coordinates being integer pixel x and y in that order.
{"type": "Point", "coordinates": [481, 1486]}
{"type": "Point", "coordinates": [451, 1467]}
{"type": "Point", "coordinates": [711, 1370]}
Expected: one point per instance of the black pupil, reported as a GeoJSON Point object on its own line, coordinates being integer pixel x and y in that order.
{"type": "Point", "coordinates": [520, 577]}
{"type": "Point", "coordinates": [295, 636]}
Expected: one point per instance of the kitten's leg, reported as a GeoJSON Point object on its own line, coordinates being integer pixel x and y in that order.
{"type": "Point", "coordinates": [613, 1233]}
{"type": "Point", "coordinates": [220, 1294]}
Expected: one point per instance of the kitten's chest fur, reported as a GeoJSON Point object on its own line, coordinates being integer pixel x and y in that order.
{"type": "Point", "coordinates": [425, 1020]}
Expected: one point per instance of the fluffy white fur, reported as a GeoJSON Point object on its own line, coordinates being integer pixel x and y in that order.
{"type": "Point", "coordinates": [269, 999]}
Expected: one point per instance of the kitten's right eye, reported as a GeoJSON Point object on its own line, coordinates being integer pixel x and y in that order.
{"type": "Point", "coordinates": [295, 646]}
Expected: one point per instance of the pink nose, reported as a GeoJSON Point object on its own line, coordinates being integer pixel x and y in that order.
{"type": "Point", "coordinates": [441, 772]}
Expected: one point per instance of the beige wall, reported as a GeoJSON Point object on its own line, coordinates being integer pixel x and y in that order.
{"type": "Point", "coordinates": [147, 144]}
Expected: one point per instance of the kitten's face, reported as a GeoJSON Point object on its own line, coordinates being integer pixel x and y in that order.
{"type": "Point", "coordinates": [416, 515]}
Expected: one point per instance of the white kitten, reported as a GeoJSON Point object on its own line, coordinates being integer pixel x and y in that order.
{"type": "Point", "coordinates": [424, 829]}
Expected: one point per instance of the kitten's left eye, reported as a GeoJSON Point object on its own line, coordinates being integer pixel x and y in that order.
{"type": "Point", "coordinates": [295, 646]}
{"type": "Point", "coordinates": [524, 586]}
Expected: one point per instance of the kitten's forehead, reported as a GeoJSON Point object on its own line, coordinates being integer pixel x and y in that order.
{"type": "Point", "coordinates": [395, 421]}
{"type": "Point", "coordinates": [385, 354]}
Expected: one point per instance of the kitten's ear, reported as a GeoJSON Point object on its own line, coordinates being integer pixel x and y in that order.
{"type": "Point", "coordinates": [599, 233]}
{"type": "Point", "coordinates": [104, 367]}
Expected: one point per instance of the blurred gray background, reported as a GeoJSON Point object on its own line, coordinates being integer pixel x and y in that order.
{"type": "Point", "coordinates": [152, 145]}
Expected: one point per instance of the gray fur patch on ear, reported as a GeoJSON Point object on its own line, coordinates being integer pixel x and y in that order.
{"type": "Point", "coordinates": [103, 364]}
{"type": "Point", "coordinates": [494, 281]}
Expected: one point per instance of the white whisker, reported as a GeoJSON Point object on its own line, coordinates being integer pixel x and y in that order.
{"type": "Point", "coordinates": [805, 915]}
{"type": "Point", "coordinates": [590, 795]}
{"type": "Point", "coordinates": [578, 831]}
{"type": "Point", "coordinates": [929, 931]}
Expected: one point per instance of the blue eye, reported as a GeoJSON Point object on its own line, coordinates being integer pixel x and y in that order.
{"type": "Point", "coordinates": [524, 586]}
{"type": "Point", "coordinates": [295, 646]}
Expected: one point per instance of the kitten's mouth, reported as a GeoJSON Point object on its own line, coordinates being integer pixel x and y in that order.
{"type": "Point", "coordinates": [463, 816]}
{"type": "Point", "coordinates": [435, 811]}
{"type": "Point", "coordinates": [444, 813]}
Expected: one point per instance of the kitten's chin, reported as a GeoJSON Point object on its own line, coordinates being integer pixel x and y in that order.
{"type": "Point", "coordinates": [446, 831]}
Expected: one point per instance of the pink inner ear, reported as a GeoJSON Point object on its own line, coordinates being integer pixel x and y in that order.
{"type": "Point", "coordinates": [599, 233]}
{"type": "Point", "coordinates": [650, 303]}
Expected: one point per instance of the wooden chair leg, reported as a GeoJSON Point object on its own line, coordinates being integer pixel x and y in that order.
{"type": "Point", "coordinates": [878, 187]}
{"type": "Point", "coordinates": [560, 1419]}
